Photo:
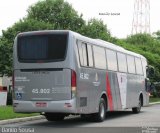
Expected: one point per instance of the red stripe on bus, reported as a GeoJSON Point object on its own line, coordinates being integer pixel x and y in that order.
{"type": "Point", "coordinates": [108, 89]}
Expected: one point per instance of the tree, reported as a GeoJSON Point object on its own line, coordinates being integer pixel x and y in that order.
{"type": "Point", "coordinates": [7, 40]}
{"type": "Point", "coordinates": [140, 39]}
{"type": "Point", "coordinates": [56, 12]}
{"type": "Point", "coordinates": [24, 25]}
{"type": "Point", "coordinates": [96, 29]}
{"type": "Point", "coordinates": [145, 42]}
{"type": "Point", "coordinates": [157, 34]}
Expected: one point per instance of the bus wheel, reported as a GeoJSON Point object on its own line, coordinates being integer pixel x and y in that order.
{"type": "Point", "coordinates": [101, 115]}
{"type": "Point", "coordinates": [54, 116]}
{"type": "Point", "coordinates": [137, 109]}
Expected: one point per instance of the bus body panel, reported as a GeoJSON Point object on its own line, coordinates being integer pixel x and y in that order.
{"type": "Point", "coordinates": [45, 106]}
{"type": "Point", "coordinates": [42, 84]}
{"type": "Point", "coordinates": [48, 83]}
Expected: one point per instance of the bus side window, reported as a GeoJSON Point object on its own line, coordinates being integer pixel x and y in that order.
{"type": "Point", "coordinates": [138, 63]}
{"type": "Point", "coordinates": [111, 60]}
{"type": "Point", "coordinates": [90, 55]}
{"type": "Point", "coordinates": [99, 57]}
{"type": "Point", "coordinates": [82, 53]}
{"type": "Point", "coordinates": [131, 64]}
{"type": "Point", "coordinates": [122, 62]}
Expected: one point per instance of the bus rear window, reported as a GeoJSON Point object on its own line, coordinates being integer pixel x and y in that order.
{"type": "Point", "coordinates": [42, 48]}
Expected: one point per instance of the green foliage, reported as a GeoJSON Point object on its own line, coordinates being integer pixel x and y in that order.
{"type": "Point", "coordinates": [96, 29]}
{"type": "Point", "coordinates": [153, 99]}
{"type": "Point", "coordinates": [157, 35]}
{"type": "Point", "coordinates": [5, 59]}
{"type": "Point", "coordinates": [24, 26]}
{"type": "Point", "coordinates": [56, 12]}
{"type": "Point", "coordinates": [7, 40]}
{"type": "Point", "coordinates": [140, 39]}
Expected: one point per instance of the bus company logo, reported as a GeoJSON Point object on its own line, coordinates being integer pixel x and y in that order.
{"type": "Point", "coordinates": [96, 77]}
{"type": "Point", "coordinates": [84, 75]}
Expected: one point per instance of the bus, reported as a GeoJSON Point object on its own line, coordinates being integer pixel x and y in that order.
{"type": "Point", "coordinates": [60, 72]}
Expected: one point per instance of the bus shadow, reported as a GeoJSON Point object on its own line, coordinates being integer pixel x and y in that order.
{"type": "Point", "coordinates": [72, 121]}
{"type": "Point", "coordinates": [77, 121]}
{"type": "Point", "coordinates": [117, 114]}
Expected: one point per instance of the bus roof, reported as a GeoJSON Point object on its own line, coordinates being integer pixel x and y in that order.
{"type": "Point", "coordinates": [106, 44]}
{"type": "Point", "coordinates": [97, 42]}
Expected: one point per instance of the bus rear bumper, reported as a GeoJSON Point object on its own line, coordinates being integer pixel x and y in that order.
{"type": "Point", "coordinates": [65, 106]}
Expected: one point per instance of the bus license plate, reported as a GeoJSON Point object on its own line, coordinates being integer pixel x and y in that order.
{"type": "Point", "coordinates": [41, 104]}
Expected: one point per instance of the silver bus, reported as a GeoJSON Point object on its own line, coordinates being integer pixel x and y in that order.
{"type": "Point", "coordinates": [60, 72]}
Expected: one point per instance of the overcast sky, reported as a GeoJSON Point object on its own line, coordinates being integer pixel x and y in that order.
{"type": "Point", "coordinates": [119, 25]}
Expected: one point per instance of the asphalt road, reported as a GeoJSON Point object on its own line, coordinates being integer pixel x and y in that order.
{"type": "Point", "coordinates": [123, 121]}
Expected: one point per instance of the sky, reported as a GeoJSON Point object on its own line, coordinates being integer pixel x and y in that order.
{"type": "Point", "coordinates": [119, 25]}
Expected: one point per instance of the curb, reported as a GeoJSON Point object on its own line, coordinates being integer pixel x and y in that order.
{"type": "Point", "coordinates": [17, 120]}
{"type": "Point", "coordinates": [153, 103]}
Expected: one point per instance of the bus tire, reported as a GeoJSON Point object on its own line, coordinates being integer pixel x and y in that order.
{"type": "Point", "coordinates": [101, 115]}
{"type": "Point", "coordinates": [54, 116]}
{"type": "Point", "coordinates": [137, 110]}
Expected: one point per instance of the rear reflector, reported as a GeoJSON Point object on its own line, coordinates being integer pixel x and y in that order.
{"type": "Point", "coordinates": [67, 105]}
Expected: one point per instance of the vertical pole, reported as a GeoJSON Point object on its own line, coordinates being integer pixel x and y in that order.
{"type": "Point", "coordinates": [141, 17]}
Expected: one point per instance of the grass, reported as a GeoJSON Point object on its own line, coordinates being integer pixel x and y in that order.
{"type": "Point", "coordinates": [6, 112]}
{"type": "Point", "coordinates": [153, 99]}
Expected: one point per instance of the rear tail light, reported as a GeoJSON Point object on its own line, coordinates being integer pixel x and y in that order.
{"type": "Point", "coordinates": [73, 83]}
{"type": "Point", "coordinates": [3, 89]}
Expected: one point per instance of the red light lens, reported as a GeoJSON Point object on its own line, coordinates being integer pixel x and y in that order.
{"type": "Point", "coordinates": [73, 79]}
